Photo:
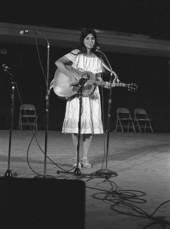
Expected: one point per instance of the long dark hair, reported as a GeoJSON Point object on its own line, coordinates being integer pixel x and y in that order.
{"type": "Point", "coordinates": [84, 33]}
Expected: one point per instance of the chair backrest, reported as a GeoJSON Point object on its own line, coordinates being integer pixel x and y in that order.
{"type": "Point", "coordinates": [28, 110]}
{"type": "Point", "coordinates": [140, 111]}
{"type": "Point", "coordinates": [123, 112]}
{"type": "Point", "coordinates": [27, 107]}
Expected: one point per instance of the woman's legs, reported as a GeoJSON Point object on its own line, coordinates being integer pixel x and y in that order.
{"type": "Point", "coordinates": [86, 145]}
{"type": "Point", "coordinates": [75, 143]}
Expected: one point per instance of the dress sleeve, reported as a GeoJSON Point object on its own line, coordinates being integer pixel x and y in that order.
{"type": "Point", "coordinates": [99, 67]}
{"type": "Point", "coordinates": [72, 55]}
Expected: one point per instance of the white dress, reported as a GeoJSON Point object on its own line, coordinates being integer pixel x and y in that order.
{"type": "Point", "coordinates": [91, 118]}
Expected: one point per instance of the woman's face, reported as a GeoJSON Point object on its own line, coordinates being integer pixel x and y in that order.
{"type": "Point", "coordinates": [89, 41]}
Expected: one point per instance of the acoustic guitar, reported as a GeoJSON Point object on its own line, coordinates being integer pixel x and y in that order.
{"type": "Point", "coordinates": [63, 87]}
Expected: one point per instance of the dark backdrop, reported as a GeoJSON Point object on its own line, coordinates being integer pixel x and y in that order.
{"type": "Point", "coordinates": [150, 73]}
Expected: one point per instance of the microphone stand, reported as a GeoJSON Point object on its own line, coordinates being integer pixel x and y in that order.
{"type": "Point", "coordinates": [47, 108]}
{"type": "Point", "coordinates": [47, 95]}
{"type": "Point", "coordinates": [77, 170]}
{"type": "Point", "coordinates": [47, 102]}
{"type": "Point", "coordinates": [105, 172]}
{"type": "Point", "coordinates": [8, 172]}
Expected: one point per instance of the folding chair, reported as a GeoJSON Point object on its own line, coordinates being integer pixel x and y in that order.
{"type": "Point", "coordinates": [142, 120]}
{"type": "Point", "coordinates": [27, 116]}
{"type": "Point", "coordinates": [124, 121]}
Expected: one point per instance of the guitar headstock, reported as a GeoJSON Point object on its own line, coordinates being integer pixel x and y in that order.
{"type": "Point", "coordinates": [132, 87]}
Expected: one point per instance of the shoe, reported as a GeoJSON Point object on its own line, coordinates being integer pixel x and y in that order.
{"type": "Point", "coordinates": [85, 163]}
{"type": "Point", "coordinates": [75, 163]}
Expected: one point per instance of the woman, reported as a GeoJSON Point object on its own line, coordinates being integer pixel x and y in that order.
{"type": "Point", "coordinates": [83, 59]}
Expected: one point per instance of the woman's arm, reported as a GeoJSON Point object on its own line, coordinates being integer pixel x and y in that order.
{"type": "Point", "coordinates": [101, 82]}
{"type": "Point", "coordinates": [61, 64]}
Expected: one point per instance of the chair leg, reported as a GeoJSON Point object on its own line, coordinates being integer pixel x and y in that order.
{"type": "Point", "coordinates": [121, 126]}
{"type": "Point", "coordinates": [128, 126]}
{"type": "Point", "coordinates": [150, 127]}
{"type": "Point", "coordinates": [133, 127]}
{"type": "Point", "coordinates": [140, 130]}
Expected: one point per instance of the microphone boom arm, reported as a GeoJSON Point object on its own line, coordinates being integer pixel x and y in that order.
{"type": "Point", "coordinates": [106, 67]}
{"type": "Point", "coordinates": [106, 172]}
{"type": "Point", "coordinates": [47, 91]}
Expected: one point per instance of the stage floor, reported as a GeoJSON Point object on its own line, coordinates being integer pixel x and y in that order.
{"type": "Point", "coordinates": [135, 198]}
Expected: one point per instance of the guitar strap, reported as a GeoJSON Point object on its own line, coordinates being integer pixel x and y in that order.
{"type": "Point", "coordinates": [51, 84]}
{"type": "Point", "coordinates": [106, 67]}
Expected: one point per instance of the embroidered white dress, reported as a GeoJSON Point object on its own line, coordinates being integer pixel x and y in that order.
{"type": "Point", "coordinates": [91, 119]}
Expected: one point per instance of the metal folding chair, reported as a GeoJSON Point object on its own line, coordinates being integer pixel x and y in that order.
{"type": "Point", "coordinates": [124, 121]}
{"type": "Point", "coordinates": [27, 116]}
{"type": "Point", "coordinates": [142, 120]}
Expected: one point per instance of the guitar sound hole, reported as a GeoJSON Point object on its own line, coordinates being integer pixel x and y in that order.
{"type": "Point", "coordinates": [75, 88]}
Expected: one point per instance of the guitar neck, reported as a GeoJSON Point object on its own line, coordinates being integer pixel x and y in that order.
{"type": "Point", "coordinates": [131, 86]}
{"type": "Point", "coordinates": [102, 83]}
{"type": "Point", "coordinates": [120, 85]}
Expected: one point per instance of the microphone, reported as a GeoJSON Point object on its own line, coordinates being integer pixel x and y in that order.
{"type": "Point", "coordinates": [82, 81]}
{"type": "Point", "coordinates": [22, 32]}
{"type": "Point", "coordinates": [5, 67]}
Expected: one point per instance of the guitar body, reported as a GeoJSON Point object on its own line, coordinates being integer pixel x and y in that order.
{"type": "Point", "coordinates": [63, 87]}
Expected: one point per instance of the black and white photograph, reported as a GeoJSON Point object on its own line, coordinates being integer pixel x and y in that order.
{"type": "Point", "coordinates": [85, 114]}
